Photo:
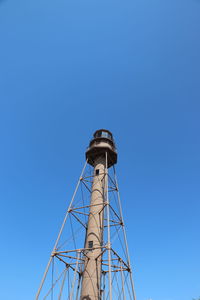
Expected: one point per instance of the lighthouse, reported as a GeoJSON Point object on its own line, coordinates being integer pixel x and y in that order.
{"type": "Point", "coordinates": [90, 259]}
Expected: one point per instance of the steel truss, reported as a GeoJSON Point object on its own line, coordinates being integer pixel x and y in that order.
{"type": "Point", "coordinates": [63, 274]}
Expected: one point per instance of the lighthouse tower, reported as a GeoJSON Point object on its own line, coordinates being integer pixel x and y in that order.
{"type": "Point", "coordinates": [101, 155]}
{"type": "Point", "coordinates": [90, 259]}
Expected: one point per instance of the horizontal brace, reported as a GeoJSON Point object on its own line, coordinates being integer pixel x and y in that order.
{"type": "Point", "coordinates": [68, 256]}
{"type": "Point", "coordinates": [86, 206]}
{"type": "Point", "coordinates": [79, 212]}
{"type": "Point", "coordinates": [113, 266]}
{"type": "Point", "coordinates": [92, 176]}
{"type": "Point", "coordinates": [78, 250]}
{"type": "Point", "coordinates": [113, 221]}
{"type": "Point", "coordinates": [113, 225]}
{"type": "Point", "coordinates": [111, 259]}
{"type": "Point", "coordinates": [118, 270]}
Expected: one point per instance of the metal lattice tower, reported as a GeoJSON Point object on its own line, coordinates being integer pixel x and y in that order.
{"type": "Point", "coordinates": [90, 259]}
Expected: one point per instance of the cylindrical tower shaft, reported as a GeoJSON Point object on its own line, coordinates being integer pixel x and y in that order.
{"type": "Point", "coordinates": [101, 154]}
{"type": "Point", "coordinates": [91, 282]}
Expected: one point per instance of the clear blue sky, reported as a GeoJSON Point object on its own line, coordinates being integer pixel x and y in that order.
{"type": "Point", "coordinates": [69, 67]}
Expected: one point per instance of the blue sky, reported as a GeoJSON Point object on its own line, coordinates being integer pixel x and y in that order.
{"type": "Point", "coordinates": [68, 68]}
